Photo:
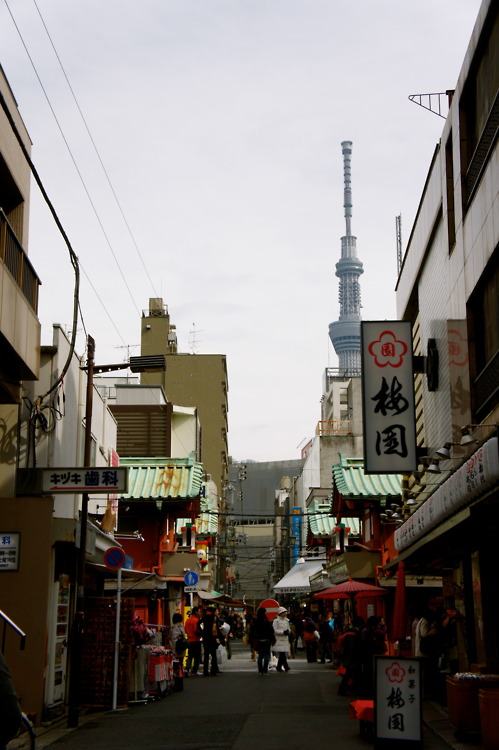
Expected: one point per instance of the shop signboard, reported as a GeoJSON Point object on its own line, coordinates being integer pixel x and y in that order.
{"type": "Point", "coordinates": [10, 544]}
{"type": "Point", "coordinates": [296, 531]}
{"type": "Point", "coordinates": [388, 397]}
{"type": "Point", "coordinates": [398, 703]}
{"type": "Point", "coordinates": [478, 474]}
{"type": "Point", "coordinates": [92, 480]}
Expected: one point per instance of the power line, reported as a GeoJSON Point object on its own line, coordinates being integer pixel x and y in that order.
{"type": "Point", "coordinates": [111, 186]}
{"type": "Point", "coordinates": [108, 241]}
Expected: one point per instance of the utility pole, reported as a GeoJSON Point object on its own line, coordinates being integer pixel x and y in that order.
{"type": "Point", "coordinates": [79, 620]}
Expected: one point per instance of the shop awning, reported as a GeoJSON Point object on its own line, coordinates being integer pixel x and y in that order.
{"type": "Point", "coordinates": [297, 580]}
{"type": "Point", "coordinates": [163, 478]}
{"type": "Point", "coordinates": [351, 482]}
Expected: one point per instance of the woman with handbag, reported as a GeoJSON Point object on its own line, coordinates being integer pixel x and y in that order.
{"type": "Point", "coordinates": [262, 638]}
{"type": "Point", "coordinates": [281, 627]}
{"type": "Point", "coordinates": [178, 635]}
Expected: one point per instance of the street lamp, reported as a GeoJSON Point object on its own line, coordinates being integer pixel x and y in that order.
{"type": "Point", "coordinates": [151, 363]}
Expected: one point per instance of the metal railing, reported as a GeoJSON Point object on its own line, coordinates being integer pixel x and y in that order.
{"type": "Point", "coordinates": [14, 258]}
{"type": "Point", "coordinates": [11, 624]}
{"type": "Point", "coordinates": [333, 427]}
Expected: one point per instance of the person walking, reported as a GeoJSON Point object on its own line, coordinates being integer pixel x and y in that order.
{"type": "Point", "coordinates": [211, 641]}
{"type": "Point", "coordinates": [193, 633]}
{"type": "Point", "coordinates": [325, 640]}
{"type": "Point", "coordinates": [350, 658]}
{"type": "Point", "coordinates": [310, 639]}
{"type": "Point", "coordinates": [281, 627]}
{"type": "Point", "coordinates": [262, 638]}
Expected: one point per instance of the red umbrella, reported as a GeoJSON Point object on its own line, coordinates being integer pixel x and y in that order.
{"type": "Point", "coordinates": [399, 622]}
{"type": "Point", "coordinates": [349, 590]}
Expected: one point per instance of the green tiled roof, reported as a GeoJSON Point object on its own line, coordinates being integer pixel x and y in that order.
{"type": "Point", "coordinates": [162, 478]}
{"type": "Point", "coordinates": [322, 525]}
{"type": "Point", "coordinates": [350, 480]}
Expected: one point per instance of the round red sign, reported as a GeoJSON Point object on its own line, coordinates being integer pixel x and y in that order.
{"type": "Point", "coordinates": [271, 606]}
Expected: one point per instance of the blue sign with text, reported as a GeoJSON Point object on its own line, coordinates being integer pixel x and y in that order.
{"type": "Point", "coordinates": [191, 578]}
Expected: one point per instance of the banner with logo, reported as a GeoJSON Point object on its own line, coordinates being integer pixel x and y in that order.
{"type": "Point", "coordinates": [388, 397]}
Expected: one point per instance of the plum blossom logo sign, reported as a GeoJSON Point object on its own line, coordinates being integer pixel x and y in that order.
{"type": "Point", "coordinates": [458, 348]}
{"type": "Point", "coordinates": [388, 350]}
{"type": "Point", "coordinates": [395, 672]}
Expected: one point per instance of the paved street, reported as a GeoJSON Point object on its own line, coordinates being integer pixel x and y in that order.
{"type": "Point", "coordinates": [237, 710]}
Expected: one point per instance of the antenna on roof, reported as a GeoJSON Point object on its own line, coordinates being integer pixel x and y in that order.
{"type": "Point", "coordinates": [398, 236]}
{"type": "Point", "coordinates": [194, 339]}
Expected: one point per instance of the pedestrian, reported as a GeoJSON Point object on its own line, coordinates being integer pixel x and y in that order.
{"type": "Point", "coordinates": [281, 627]}
{"type": "Point", "coordinates": [211, 641]}
{"type": "Point", "coordinates": [225, 629]}
{"type": "Point", "coordinates": [325, 640]}
{"type": "Point", "coordinates": [350, 658]}
{"type": "Point", "coordinates": [372, 643]}
{"type": "Point", "coordinates": [310, 639]}
{"type": "Point", "coordinates": [178, 636]}
{"type": "Point", "coordinates": [262, 637]}
{"type": "Point", "coordinates": [292, 640]}
{"type": "Point", "coordinates": [193, 632]}
{"type": "Point", "coordinates": [249, 619]}
{"type": "Point", "coordinates": [10, 711]}
{"type": "Point", "coordinates": [428, 645]}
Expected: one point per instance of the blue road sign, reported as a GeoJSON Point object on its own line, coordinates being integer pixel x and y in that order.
{"type": "Point", "coordinates": [114, 558]}
{"type": "Point", "coordinates": [191, 578]}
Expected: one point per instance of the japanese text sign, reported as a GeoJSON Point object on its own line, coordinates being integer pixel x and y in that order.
{"type": "Point", "coordinates": [398, 700]}
{"type": "Point", "coordinates": [388, 397]}
{"type": "Point", "coordinates": [10, 543]}
{"type": "Point", "coordinates": [101, 480]}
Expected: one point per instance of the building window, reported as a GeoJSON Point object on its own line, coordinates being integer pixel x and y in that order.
{"type": "Point", "coordinates": [483, 333]}
{"type": "Point", "coordinates": [478, 108]}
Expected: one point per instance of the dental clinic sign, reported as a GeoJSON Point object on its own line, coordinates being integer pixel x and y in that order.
{"type": "Point", "coordinates": [388, 397]}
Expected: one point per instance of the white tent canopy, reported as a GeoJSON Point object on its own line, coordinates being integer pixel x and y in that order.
{"type": "Point", "coordinates": [297, 580]}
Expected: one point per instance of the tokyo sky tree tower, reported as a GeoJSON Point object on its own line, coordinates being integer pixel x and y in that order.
{"type": "Point", "coordinates": [345, 332]}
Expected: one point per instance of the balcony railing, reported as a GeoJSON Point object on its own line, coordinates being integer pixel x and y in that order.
{"type": "Point", "coordinates": [16, 261]}
{"type": "Point", "coordinates": [333, 427]}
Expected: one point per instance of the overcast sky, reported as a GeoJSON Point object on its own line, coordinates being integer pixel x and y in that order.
{"type": "Point", "coordinates": [219, 123]}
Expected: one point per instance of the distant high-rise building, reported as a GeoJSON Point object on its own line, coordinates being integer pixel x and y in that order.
{"type": "Point", "coordinates": [345, 332]}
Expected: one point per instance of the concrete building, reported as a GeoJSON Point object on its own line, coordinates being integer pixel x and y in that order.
{"type": "Point", "coordinates": [19, 283]}
{"type": "Point", "coordinates": [191, 380]}
{"type": "Point", "coordinates": [256, 526]}
{"type": "Point", "coordinates": [448, 288]}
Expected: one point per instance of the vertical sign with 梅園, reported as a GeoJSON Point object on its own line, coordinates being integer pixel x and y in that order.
{"type": "Point", "coordinates": [388, 397]}
{"type": "Point", "coordinates": [398, 704]}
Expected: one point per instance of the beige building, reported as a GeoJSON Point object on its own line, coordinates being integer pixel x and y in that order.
{"type": "Point", "coordinates": [24, 522]}
{"type": "Point", "coordinates": [191, 380]}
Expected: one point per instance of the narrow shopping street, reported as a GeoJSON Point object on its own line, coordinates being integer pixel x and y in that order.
{"type": "Point", "coordinates": [237, 710]}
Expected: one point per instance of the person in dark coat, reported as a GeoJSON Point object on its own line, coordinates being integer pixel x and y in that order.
{"type": "Point", "coordinates": [262, 638]}
{"type": "Point", "coordinates": [351, 658]}
{"type": "Point", "coordinates": [211, 640]}
{"type": "Point", "coordinates": [10, 711]}
{"type": "Point", "coordinates": [372, 643]}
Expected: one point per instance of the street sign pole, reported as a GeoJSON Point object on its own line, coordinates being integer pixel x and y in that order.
{"type": "Point", "coordinates": [117, 639]}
